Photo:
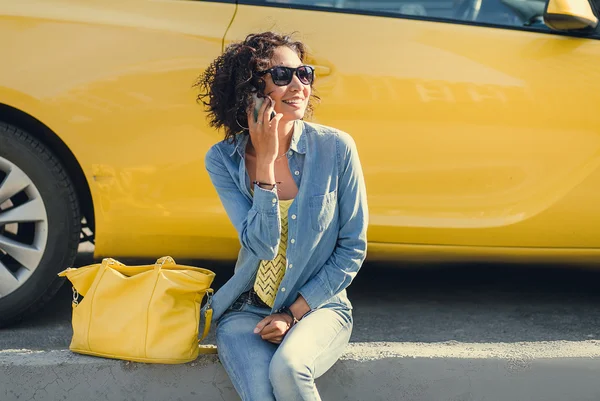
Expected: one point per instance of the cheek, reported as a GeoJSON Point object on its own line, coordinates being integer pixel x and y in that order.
{"type": "Point", "coordinates": [275, 92]}
{"type": "Point", "coordinates": [277, 96]}
{"type": "Point", "coordinates": [272, 90]}
{"type": "Point", "coordinates": [307, 92]}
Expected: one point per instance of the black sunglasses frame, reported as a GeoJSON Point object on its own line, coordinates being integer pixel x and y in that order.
{"type": "Point", "coordinates": [291, 71]}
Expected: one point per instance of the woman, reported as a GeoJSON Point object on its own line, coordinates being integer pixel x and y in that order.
{"type": "Point", "coordinates": [295, 193]}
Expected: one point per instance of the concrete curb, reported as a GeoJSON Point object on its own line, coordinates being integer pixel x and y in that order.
{"type": "Point", "coordinates": [548, 371]}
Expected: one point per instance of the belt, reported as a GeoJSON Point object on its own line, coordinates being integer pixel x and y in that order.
{"type": "Point", "coordinates": [252, 298]}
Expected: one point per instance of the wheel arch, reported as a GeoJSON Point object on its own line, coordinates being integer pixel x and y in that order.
{"type": "Point", "coordinates": [50, 139]}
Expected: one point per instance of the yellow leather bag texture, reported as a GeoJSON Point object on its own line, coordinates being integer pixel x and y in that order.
{"type": "Point", "coordinates": [148, 313]}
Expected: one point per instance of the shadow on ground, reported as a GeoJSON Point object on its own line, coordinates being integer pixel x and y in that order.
{"type": "Point", "coordinates": [415, 303]}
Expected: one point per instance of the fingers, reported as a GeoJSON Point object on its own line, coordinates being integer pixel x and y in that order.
{"type": "Point", "coordinates": [266, 104]}
{"type": "Point", "coordinates": [264, 121]}
{"type": "Point", "coordinates": [266, 113]}
{"type": "Point", "coordinates": [275, 329]}
{"type": "Point", "coordinates": [273, 335]}
{"type": "Point", "coordinates": [256, 117]}
{"type": "Point", "coordinates": [262, 111]}
{"type": "Point", "coordinates": [275, 122]}
{"type": "Point", "coordinates": [263, 132]}
{"type": "Point", "coordinates": [261, 325]}
{"type": "Point", "coordinates": [271, 330]}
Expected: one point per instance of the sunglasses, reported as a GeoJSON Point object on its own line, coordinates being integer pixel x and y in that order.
{"type": "Point", "coordinates": [283, 75]}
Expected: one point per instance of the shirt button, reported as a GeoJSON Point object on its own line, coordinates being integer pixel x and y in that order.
{"type": "Point", "coordinates": [293, 217]}
{"type": "Point", "coordinates": [296, 172]}
{"type": "Point", "coordinates": [290, 153]}
{"type": "Point", "coordinates": [293, 241]}
{"type": "Point", "coordinates": [290, 266]}
{"type": "Point", "coordinates": [274, 200]}
{"type": "Point", "coordinates": [283, 289]}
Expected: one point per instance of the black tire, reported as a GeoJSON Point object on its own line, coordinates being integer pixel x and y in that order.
{"type": "Point", "coordinates": [63, 224]}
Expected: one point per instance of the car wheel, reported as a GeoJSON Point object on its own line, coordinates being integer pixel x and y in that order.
{"type": "Point", "coordinates": [39, 223]}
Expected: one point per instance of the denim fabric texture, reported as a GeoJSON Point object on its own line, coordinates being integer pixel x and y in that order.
{"type": "Point", "coordinates": [327, 238]}
{"type": "Point", "coordinates": [261, 371]}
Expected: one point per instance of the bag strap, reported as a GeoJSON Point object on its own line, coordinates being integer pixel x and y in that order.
{"type": "Point", "coordinates": [207, 349]}
{"type": "Point", "coordinates": [207, 314]}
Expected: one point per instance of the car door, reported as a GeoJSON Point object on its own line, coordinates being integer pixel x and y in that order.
{"type": "Point", "coordinates": [475, 124]}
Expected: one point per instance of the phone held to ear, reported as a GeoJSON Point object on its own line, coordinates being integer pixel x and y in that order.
{"type": "Point", "coordinates": [258, 101]}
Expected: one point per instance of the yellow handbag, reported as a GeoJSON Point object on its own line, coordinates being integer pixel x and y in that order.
{"type": "Point", "coordinates": [145, 313]}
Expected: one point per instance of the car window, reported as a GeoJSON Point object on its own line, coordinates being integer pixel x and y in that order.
{"type": "Point", "coordinates": [499, 12]}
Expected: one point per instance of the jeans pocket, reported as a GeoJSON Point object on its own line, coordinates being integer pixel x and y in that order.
{"type": "Point", "coordinates": [322, 210]}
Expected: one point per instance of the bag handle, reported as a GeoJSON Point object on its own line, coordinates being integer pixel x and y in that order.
{"type": "Point", "coordinates": [165, 260]}
{"type": "Point", "coordinates": [111, 262]}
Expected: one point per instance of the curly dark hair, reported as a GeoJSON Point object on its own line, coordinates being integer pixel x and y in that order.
{"type": "Point", "coordinates": [227, 85]}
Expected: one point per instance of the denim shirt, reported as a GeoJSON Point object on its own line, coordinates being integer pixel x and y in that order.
{"type": "Point", "coordinates": [327, 233]}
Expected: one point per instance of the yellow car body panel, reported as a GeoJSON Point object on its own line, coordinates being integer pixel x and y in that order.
{"type": "Point", "coordinates": [469, 135]}
{"type": "Point", "coordinates": [475, 141]}
{"type": "Point", "coordinates": [114, 80]}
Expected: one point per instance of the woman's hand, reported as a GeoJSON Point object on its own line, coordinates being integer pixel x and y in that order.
{"type": "Point", "coordinates": [263, 132]}
{"type": "Point", "coordinates": [274, 327]}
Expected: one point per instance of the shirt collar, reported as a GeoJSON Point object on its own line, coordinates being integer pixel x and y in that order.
{"type": "Point", "coordinates": [241, 140]}
{"type": "Point", "coordinates": [298, 143]}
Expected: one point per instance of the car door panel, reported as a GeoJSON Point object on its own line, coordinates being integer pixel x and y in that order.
{"type": "Point", "coordinates": [468, 135]}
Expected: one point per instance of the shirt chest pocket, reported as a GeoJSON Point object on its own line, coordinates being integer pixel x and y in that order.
{"type": "Point", "coordinates": [322, 210]}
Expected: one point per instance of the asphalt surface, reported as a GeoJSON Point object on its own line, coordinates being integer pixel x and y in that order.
{"type": "Point", "coordinates": [421, 333]}
{"type": "Point", "coordinates": [412, 304]}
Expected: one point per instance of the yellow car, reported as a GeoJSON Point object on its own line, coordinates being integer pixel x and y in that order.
{"type": "Point", "coordinates": [476, 121]}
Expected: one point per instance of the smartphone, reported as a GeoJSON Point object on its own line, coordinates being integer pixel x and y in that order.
{"type": "Point", "coordinates": [258, 101]}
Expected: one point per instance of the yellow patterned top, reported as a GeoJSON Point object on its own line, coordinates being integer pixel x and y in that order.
{"type": "Point", "coordinates": [271, 272]}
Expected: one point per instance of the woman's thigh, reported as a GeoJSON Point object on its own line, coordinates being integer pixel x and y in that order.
{"type": "Point", "coordinates": [245, 355]}
{"type": "Point", "coordinates": [316, 342]}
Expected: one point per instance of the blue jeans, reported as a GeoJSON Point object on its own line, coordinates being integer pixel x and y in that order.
{"type": "Point", "coordinates": [261, 371]}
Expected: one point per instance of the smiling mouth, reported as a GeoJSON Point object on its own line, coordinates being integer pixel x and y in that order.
{"type": "Point", "coordinates": [293, 101]}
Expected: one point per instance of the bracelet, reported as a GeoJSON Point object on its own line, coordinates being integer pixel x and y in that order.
{"type": "Point", "coordinates": [288, 311]}
{"type": "Point", "coordinates": [266, 183]}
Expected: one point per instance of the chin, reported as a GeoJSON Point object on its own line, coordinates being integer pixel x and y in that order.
{"type": "Point", "coordinates": [296, 115]}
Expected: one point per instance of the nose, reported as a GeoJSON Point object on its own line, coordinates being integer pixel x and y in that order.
{"type": "Point", "coordinates": [296, 85]}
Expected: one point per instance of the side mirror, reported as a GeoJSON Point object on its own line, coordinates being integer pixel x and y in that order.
{"type": "Point", "coordinates": [569, 15]}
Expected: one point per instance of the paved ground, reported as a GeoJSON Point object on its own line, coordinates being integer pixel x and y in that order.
{"type": "Point", "coordinates": [431, 333]}
{"type": "Point", "coordinates": [473, 304]}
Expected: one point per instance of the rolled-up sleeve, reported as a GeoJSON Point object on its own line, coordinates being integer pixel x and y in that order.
{"type": "Point", "coordinates": [351, 247]}
{"type": "Point", "coordinates": [257, 222]}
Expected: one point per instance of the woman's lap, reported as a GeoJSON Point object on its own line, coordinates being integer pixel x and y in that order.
{"type": "Point", "coordinates": [318, 340]}
{"type": "Point", "coordinates": [307, 351]}
{"type": "Point", "coordinates": [245, 356]}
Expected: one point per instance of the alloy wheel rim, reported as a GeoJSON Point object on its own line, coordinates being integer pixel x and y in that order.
{"type": "Point", "coordinates": [23, 227]}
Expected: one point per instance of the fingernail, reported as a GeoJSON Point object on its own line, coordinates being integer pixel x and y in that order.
{"type": "Point", "coordinates": [256, 330]}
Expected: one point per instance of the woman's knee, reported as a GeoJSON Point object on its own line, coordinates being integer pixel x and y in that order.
{"type": "Point", "coordinates": [289, 368]}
